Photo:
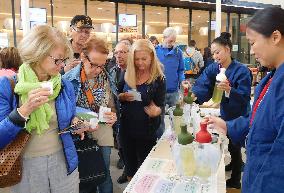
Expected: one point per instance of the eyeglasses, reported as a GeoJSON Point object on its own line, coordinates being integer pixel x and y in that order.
{"type": "Point", "coordinates": [86, 31]}
{"type": "Point", "coordinates": [58, 61]}
{"type": "Point", "coordinates": [95, 65]}
{"type": "Point", "coordinates": [119, 52]}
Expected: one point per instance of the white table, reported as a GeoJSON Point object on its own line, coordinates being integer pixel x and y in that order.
{"type": "Point", "coordinates": [155, 174]}
{"type": "Point", "coordinates": [158, 174]}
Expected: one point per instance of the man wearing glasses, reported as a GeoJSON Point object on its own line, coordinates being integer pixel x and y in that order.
{"type": "Point", "coordinates": [80, 30]}
{"type": "Point", "coordinates": [116, 73]}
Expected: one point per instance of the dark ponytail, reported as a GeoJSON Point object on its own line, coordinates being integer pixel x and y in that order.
{"type": "Point", "coordinates": [268, 20]}
{"type": "Point", "coordinates": [224, 39]}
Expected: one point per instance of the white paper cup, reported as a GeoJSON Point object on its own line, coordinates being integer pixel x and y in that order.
{"type": "Point", "coordinates": [48, 85]}
{"type": "Point", "coordinates": [94, 122]}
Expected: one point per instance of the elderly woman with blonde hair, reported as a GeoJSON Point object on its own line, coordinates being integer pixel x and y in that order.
{"type": "Point", "coordinates": [142, 97]}
{"type": "Point", "coordinates": [49, 159]}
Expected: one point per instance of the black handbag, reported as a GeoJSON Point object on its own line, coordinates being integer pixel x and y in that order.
{"type": "Point", "coordinates": [92, 169]}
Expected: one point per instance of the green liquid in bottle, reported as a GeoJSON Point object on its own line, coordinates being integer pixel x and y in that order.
{"type": "Point", "coordinates": [177, 123]}
{"type": "Point", "coordinates": [188, 161]}
{"type": "Point", "coordinates": [217, 94]}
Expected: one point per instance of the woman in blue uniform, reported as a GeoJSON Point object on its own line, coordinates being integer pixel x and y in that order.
{"type": "Point", "coordinates": [236, 98]}
{"type": "Point", "coordinates": [263, 130]}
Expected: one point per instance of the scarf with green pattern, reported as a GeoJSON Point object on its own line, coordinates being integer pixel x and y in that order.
{"type": "Point", "coordinates": [27, 81]}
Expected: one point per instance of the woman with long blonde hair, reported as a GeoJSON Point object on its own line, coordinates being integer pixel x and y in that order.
{"type": "Point", "coordinates": [142, 97]}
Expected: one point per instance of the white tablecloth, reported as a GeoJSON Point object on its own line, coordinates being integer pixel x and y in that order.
{"type": "Point", "coordinates": [157, 175]}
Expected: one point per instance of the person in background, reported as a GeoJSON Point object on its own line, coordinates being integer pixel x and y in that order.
{"type": "Point", "coordinates": [117, 73]}
{"type": "Point", "coordinates": [261, 132]}
{"type": "Point", "coordinates": [172, 59]}
{"type": "Point", "coordinates": [236, 98]}
{"type": "Point", "coordinates": [142, 98]}
{"type": "Point", "coordinates": [207, 58]}
{"type": "Point", "coordinates": [93, 89]}
{"type": "Point", "coordinates": [126, 39]}
{"type": "Point", "coordinates": [49, 159]}
{"type": "Point", "coordinates": [80, 30]}
{"type": "Point", "coordinates": [154, 40]}
{"type": "Point", "coordinates": [10, 61]}
{"type": "Point", "coordinates": [196, 57]}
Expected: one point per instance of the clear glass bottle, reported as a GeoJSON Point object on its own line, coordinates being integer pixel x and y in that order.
{"type": "Point", "coordinates": [178, 113]}
{"type": "Point", "coordinates": [187, 159]}
{"type": "Point", "coordinates": [217, 93]}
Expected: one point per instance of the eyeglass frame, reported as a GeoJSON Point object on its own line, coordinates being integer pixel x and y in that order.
{"type": "Point", "coordinates": [59, 59]}
{"type": "Point", "coordinates": [79, 30]}
{"type": "Point", "coordinates": [115, 53]}
{"type": "Point", "coordinates": [94, 65]}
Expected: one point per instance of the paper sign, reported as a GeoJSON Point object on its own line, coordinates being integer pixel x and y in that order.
{"type": "Point", "coordinates": [146, 183]}
{"type": "Point", "coordinates": [186, 188]}
{"type": "Point", "coordinates": [164, 186]}
{"type": "Point", "coordinates": [155, 165]}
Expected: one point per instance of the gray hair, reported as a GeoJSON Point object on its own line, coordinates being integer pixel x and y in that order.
{"type": "Point", "coordinates": [169, 31]}
{"type": "Point", "coordinates": [125, 43]}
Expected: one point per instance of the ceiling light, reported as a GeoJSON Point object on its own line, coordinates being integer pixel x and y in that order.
{"type": "Point", "coordinates": [158, 13]}
{"type": "Point", "coordinates": [100, 8]}
{"type": "Point", "coordinates": [176, 8]}
{"type": "Point", "coordinates": [199, 16]}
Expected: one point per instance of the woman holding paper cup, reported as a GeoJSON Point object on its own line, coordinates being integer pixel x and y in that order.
{"type": "Point", "coordinates": [93, 91]}
{"type": "Point", "coordinates": [229, 81]}
{"type": "Point", "coordinates": [43, 105]}
{"type": "Point", "coordinates": [142, 96]}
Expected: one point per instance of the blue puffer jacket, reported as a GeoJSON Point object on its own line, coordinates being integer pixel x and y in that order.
{"type": "Point", "coordinates": [65, 108]}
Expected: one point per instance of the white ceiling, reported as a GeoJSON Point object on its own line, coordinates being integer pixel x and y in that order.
{"type": "Point", "coordinates": [273, 2]}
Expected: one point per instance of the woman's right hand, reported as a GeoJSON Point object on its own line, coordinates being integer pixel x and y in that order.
{"type": "Point", "coordinates": [125, 96]}
{"type": "Point", "coordinates": [36, 98]}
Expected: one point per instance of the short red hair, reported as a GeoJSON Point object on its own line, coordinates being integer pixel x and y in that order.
{"type": "Point", "coordinates": [94, 43]}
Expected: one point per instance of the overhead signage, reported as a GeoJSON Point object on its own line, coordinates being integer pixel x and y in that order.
{"type": "Point", "coordinates": [128, 29]}
{"type": "Point", "coordinates": [37, 15]}
{"type": "Point", "coordinates": [127, 20]}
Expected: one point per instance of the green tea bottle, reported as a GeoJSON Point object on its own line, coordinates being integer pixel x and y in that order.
{"type": "Point", "coordinates": [178, 112]}
{"type": "Point", "coordinates": [184, 137]}
{"type": "Point", "coordinates": [188, 99]}
{"type": "Point", "coordinates": [217, 93]}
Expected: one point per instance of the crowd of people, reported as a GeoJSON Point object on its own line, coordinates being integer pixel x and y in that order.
{"type": "Point", "coordinates": [136, 84]}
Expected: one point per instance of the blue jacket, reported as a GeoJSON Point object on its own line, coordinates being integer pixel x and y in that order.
{"type": "Point", "coordinates": [239, 76]}
{"type": "Point", "coordinates": [73, 76]}
{"type": "Point", "coordinates": [264, 168]}
{"type": "Point", "coordinates": [65, 108]}
{"type": "Point", "coordinates": [174, 66]}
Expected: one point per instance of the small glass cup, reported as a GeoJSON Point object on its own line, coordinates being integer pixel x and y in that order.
{"type": "Point", "coordinates": [208, 157]}
{"type": "Point", "coordinates": [184, 158]}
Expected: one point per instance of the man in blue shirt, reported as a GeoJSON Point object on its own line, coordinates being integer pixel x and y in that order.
{"type": "Point", "coordinates": [171, 57]}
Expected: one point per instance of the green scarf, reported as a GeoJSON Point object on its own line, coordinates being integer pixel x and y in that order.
{"type": "Point", "coordinates": [27, 81]}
